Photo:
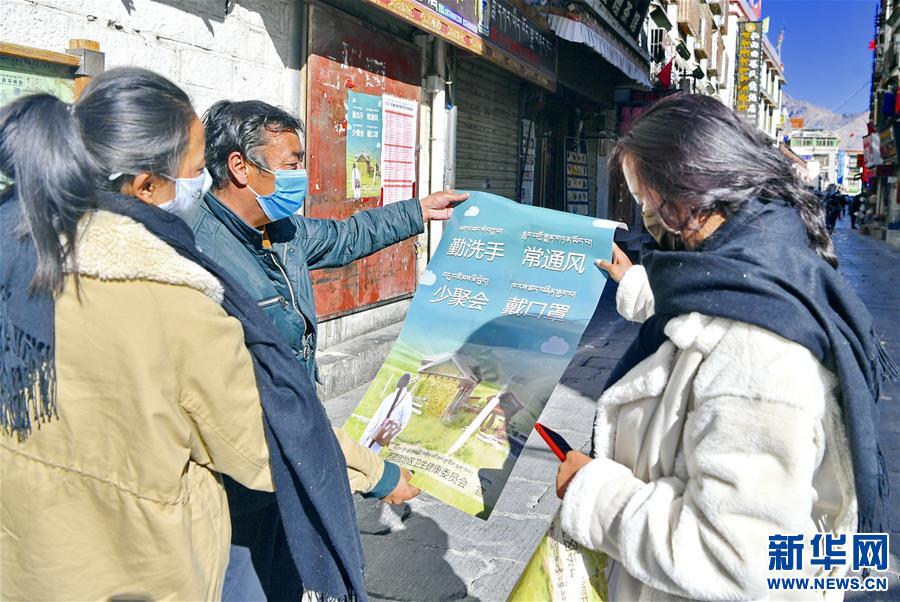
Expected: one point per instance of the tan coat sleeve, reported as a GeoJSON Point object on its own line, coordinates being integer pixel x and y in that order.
{"type": "Point", "coordinates": [364, 467]}
{"type": "Point", "coordinates": [217, 389]}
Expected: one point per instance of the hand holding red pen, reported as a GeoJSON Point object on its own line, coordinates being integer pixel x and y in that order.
{"type": "Point", "coordinates": [575, 460]}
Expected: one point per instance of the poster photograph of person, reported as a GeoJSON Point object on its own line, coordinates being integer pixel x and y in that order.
{"type": "Point", "coordinates": [495, 320]}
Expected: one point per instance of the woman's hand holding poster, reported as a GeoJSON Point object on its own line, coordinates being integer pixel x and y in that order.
{"type": "Point", "coordinates": [495, 320]}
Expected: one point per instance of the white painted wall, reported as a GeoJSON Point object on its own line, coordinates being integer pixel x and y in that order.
{"type": "Point", "coordinates": [211, 55]}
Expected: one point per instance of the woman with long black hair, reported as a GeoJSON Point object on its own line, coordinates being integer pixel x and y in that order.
{"type": "Point", "coordinates": [135, 373]}
{"type": "Point", "coordinates": [745, 408]}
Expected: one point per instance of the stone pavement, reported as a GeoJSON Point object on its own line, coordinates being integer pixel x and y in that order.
{"type": "Point", "coordinates": [429, 551]}
{"type": "Point", "coordinates": [872, 268]}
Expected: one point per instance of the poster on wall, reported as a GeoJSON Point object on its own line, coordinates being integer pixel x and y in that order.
{"type": "Point", "coordinates": [495, 320]}
{"type": "Point", "coordinates": [20, 76]}
{"type": "Point", "coordinates": [363, 158]}
{"type": "Point", "coordinates": [398, 148]}
{"type": "Point", "coordinates": [577, 199]}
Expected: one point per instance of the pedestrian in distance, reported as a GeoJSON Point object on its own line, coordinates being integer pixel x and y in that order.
{"type": "Point", "coordinates": [249, 223]}
{"type": "Point", "coordinates": [856, 206]}
{"type": "Point", "coordinates": [135, 373]}
{"type": "Point", "coordinates": [833, 206]}
{"type": "Point", "coordinates": [745, 407]}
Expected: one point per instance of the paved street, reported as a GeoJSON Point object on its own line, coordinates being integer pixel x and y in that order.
{"type": "Point", "coordinates": [447, 555]}
{"type": "Point", "coordinates": [873, 269]}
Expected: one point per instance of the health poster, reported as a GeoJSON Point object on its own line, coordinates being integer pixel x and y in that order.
{"type": "Point", "coordinates": [494, 322]}
{"type": "Point", "coordinates": [363, 145]}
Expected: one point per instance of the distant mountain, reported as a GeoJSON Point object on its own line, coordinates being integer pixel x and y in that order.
{"type": "Point", "coordinates": [851, 127]}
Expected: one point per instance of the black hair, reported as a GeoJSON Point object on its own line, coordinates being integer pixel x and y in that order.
{"type": "Point", "coordinates": [701, 157]}
{"type": "Point", "coordinates": [42, 156]}
{"type": "Point", "coordinates": [127, 121]}
{"type": "Point", "coordinates": [132, 121]}
{"type": "Point", "coordinates": [242, 127]}
{"type": "Point", "coordinates": [404, 380]}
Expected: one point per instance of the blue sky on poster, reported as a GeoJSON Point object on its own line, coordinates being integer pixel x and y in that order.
{"type": "Point", "coordinates": [826, 52]}
{"type": "Point", "coordinates": [438, 323]}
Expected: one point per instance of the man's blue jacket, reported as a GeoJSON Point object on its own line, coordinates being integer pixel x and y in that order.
{"type": "Point", "coordinates": [279, 277]}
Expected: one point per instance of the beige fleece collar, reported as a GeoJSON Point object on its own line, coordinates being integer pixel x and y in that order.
{"type": "Point", "coordinates": [117, 248]}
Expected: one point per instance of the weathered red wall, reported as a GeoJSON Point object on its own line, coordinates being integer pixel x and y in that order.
{"type": "Point", "coordinates": [349, 55]}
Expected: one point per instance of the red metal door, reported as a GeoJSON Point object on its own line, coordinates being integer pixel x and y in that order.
{"type": "Point", "coordinates": [348, 55]}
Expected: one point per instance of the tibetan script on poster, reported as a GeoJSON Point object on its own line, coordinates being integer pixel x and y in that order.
{"type": "Point", "coordinates": [495, 320]}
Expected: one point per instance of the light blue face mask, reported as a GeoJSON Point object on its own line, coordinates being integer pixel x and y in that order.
{"type": "Point", "coordinates": [188, 195]}
{"type": "Point", "coordinates": [289, 194]}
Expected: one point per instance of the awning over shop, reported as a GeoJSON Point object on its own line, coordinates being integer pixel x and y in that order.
{"type": "Point", "coordinates": [603, 44]}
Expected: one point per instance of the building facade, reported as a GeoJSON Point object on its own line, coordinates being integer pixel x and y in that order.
{"type": "Point", "coordinates": [819, 148]}
{"type": "Point", "coordinates": [880, 145]}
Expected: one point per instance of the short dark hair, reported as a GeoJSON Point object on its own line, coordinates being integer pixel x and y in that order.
{"type": "Point", "coordinates": [243, 127]}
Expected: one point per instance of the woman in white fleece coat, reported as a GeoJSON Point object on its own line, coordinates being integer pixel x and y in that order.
{"type": "Point", "coordinates": [723, 432]}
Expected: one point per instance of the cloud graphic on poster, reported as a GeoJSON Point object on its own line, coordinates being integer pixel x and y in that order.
{"type": "Point", "coordinates": [555, 346]}
{"type": "Point", "coordinates": [428, 278]}
{"type": "Point", "coordinates": [472, 211]}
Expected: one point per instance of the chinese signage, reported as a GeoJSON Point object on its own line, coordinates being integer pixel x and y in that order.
{"type": "Point", "coordinates": [513, 32]}
{"type": "Point", "coordinates": [576, 177]}
{"type": "Point", "coordinates": [748, 67]}
{"type": "Point", "coordinates": [363, 157]}
{"type": "Point", "coordinates": [398, 148]}
{"type": "Point", "coordinates": [466, 13]}
{"type": "Point", "coordinates": [505, 35]}
{"type": "Point", "coordinates": [495, 320]}
{"type": "Point", "coordinates": [629, 13]}
{"type": "Point", "coordinates": [829, 554]}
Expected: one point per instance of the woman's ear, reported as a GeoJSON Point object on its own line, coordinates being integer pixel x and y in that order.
{"type": "Point", "coordinates": [142, 187]}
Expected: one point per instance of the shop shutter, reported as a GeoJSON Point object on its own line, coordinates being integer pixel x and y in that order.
{"type": "Point", "coordinates": [487, 128]}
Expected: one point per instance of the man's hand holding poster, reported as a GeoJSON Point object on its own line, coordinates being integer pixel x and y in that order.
{"type": "Point", "coordinates": [495, 320]}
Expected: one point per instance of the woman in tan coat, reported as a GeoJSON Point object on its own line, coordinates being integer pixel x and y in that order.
{"type": "Point", "coordinates": [127, 388]}
{"type": "Point", "coordinates": [116, 489]}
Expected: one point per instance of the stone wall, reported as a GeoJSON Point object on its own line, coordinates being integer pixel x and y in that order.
{"type": "Point", "coordinates": [211, 54]}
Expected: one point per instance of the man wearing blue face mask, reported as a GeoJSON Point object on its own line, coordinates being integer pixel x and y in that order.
{"type": "Point", "coordinates": [249, 225]}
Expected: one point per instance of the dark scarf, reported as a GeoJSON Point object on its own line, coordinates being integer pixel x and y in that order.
{"type": "Point", "coordinates": [307, 464]}
{"type": "Point", "coordinates": [757, 268]}
{"type": "Point", "coordinates": [27, 369]}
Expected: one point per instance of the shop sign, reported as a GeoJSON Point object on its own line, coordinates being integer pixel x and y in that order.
{"type": "Point", "coordinates": [747, 70]}
{"type": "Point", "coordinates": [887, 146]}
{"type": "Point", "coordinates": [871, 150]}
{"type": "Point", "coordinates": [510, 30]}
{"type": "Point", "coordinates": [636, 104]}
{"type": "Point", "coordinates": [629, 14]}
{"type": "Point", "coordinates": [466, 13]}
{"type": "Point", "coordinates": [577, 199]}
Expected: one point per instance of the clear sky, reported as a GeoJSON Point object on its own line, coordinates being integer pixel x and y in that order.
{"type": "Point", "coordinates": [826, 53]}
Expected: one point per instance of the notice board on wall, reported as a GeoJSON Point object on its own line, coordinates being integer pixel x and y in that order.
{"type": "Point", "coordinates": [363, 91]}
{"type": "Point", "coordinates": [25, 71]}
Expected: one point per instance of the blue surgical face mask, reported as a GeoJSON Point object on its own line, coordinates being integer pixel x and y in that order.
{"type": "Point", "coordinates": [188, 195]}
{"type": "Point", "coordinates": [289, 194]}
